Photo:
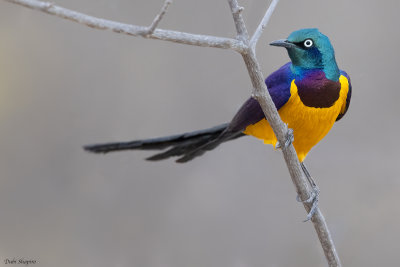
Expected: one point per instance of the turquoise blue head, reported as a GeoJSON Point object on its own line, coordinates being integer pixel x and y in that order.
{"type": "Point", "coordinates": [310, 49]}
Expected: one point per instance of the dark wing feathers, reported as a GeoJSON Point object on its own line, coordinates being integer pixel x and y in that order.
{"type": "Point", "coordinates": [278, 84]}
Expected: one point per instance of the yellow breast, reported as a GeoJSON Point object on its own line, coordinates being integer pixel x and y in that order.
{"type": "Point", "coordinates": [309, 124]}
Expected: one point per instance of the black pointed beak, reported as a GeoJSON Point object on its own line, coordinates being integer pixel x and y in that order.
{"type": "Point", "coordinates": [283, 43]}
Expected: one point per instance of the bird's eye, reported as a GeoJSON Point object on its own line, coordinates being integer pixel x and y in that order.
{"type": "Point", "coordinates": [308, 43]}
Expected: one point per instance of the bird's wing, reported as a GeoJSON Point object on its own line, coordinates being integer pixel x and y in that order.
{"type": "Point", "coordinates": [347, 104]}
{"type": "Point", "coordinates": [278, 84]}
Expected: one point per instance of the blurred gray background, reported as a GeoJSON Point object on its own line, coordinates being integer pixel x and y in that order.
{"type": "Point", "coordinates": [63, 85]}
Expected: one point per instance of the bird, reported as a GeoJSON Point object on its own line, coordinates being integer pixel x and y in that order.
{"type": "Point", "coordinates": [310, 93]}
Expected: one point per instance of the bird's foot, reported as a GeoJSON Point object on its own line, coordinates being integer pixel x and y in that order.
{"type": "Point", "coordinates": [289, 139]}
{"type": "Point", "coordinates": [314, 198]}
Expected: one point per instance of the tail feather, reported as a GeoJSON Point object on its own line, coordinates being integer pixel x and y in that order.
{"type": "Point", "coordinates": [180, 149]}
{"type": "Point", "coordinates": [208, 146]}
{"type": "Point", "coordinates": [187, 145]}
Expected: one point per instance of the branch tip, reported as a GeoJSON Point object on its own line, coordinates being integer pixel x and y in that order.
{"type": "Point", "coordinates": [263, 24]}
{"type": "Point", "coordinates": [241, 30]}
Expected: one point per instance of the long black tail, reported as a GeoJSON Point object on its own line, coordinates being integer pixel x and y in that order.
{"type": "Point", "coordinates": [187, 145]}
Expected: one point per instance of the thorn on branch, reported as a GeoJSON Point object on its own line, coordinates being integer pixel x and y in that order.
{"type": "Point", "coordinates": [238, 10]}
{"type": "Point", "coordinates": [158, 18]}
{"type": "Point", "coordinates": [45, 6]}
{"type": "Point", "coordinates": [48, 5]}
{"type": "Point", "coordinates": [258, 95]}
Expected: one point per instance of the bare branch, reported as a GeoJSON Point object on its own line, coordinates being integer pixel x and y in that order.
{"type": "Point", "coordinates": [103, 24]}
{"type": "Point", "coordinates": [263, 24]}
{"type": "Point", "coordinates": [159, 17]}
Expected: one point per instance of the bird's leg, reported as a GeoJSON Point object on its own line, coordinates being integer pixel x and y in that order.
{"type": "Point", "coordinates": [314, 198]}
{"type": "Point", "coordinates": [289, 139]}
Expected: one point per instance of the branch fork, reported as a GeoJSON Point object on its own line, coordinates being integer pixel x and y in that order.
{"type": "Point", "coordinates": [158, 18]}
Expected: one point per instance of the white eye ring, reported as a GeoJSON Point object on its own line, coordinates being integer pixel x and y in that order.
{"type": "Point", "coordinates": [308, 43]}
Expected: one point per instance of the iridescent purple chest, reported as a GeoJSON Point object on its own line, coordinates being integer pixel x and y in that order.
{"type": "Point", "coordinates": [315, 90]}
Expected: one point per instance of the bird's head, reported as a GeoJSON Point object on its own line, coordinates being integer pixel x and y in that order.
{"type": "Point", "coordinates": [310, 49]}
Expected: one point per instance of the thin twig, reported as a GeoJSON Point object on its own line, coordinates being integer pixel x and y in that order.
{"type": "Point", "coordinates": [263, 24]}
{"type": "Point", "coordinates": [259, 92]}
{"type": "Point", "coordinates": [239, 22]}
{"type": "Point", "coordinates": [159, 17]}
{"type": "Point", "coordinates": [134, 30]}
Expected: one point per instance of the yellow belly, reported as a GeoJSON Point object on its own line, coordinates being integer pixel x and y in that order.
{"type": "Point", "coordinates": [309, 124]}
